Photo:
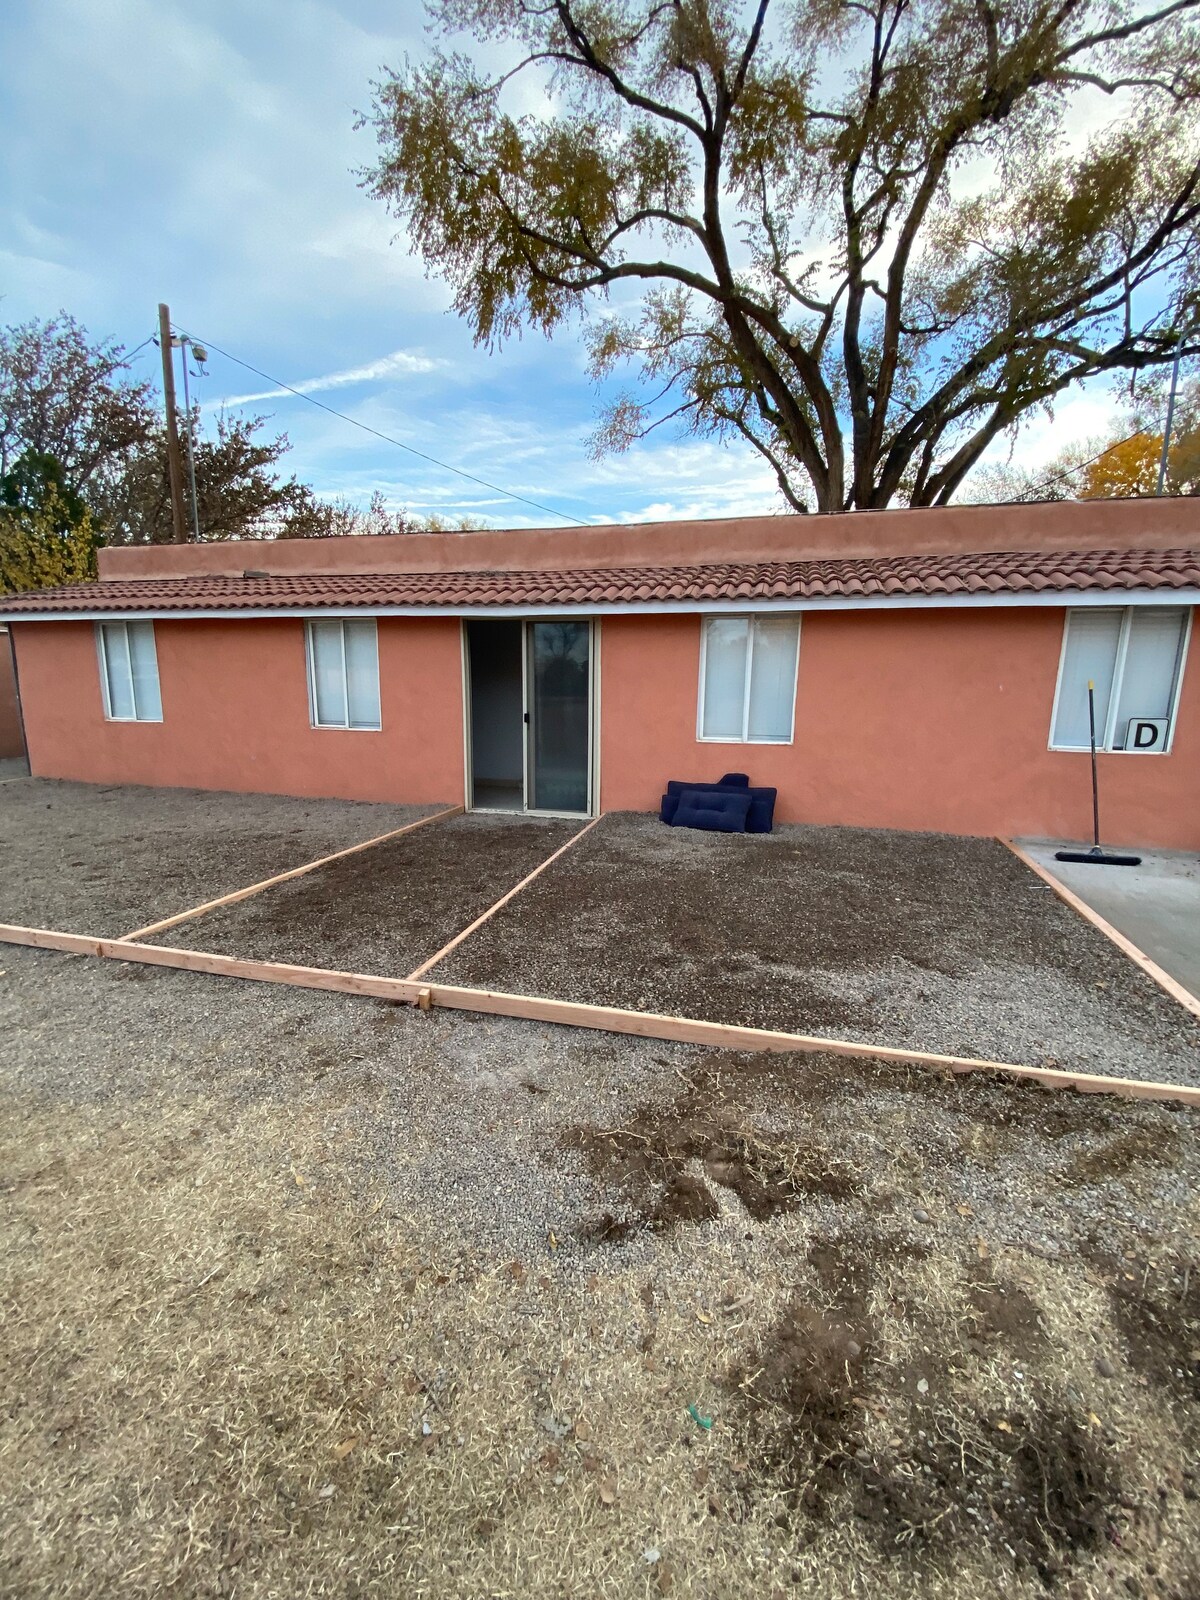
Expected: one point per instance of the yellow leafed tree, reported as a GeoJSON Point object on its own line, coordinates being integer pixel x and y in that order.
{"type": "Point", "coordinates": [41, 546]}
{"type": "Point", "coordinates": [1125, 469]}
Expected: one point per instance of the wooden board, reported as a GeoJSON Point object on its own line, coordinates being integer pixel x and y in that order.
{"type": "Point", "coordinates": [564, 1013]}
{"type": "Point", "coordinates": [1151, 968]}
{"type": "Point", "coordinates": [77, 944]}
{"type": "Point", "coordinates": [284, 877]}
{"type": "Point", "coordinates": [727, 1036]}
{"type": "Point", "coordinates": [158, 955]}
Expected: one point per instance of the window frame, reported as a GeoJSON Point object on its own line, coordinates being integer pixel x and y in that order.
{"type": "Point", "coordinates": [102, 656]}
{"type": "Point", "coordinates": [311, 672]}
{"type": "Point", "coordinates": [1105, 736]}
{"type": "Point", "coordinates": [750, 617]}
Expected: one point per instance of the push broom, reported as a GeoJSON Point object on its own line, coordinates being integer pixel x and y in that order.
{"type": "Point", "coordinates": [1096, 857]}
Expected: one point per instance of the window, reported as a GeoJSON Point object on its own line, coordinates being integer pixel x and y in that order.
{"type": "Point", "coordinates": [343, 674]}
{"type": "Point", "coordinates": [129, 671]}
{"type": "Point", "coordinates": [748, 679]}
{"type": "Point", "coordinates": [1134, 658]}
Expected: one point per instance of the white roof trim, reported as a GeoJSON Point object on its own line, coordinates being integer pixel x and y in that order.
{"type": "Point", "coordinates": [907, 602]}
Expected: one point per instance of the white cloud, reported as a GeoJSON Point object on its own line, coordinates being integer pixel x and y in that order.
{"type": "Point", "coordinates": [400, 362]}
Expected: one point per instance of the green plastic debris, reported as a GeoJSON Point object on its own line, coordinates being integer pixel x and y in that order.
{"type": "Point", "coordinates": [701, 1422]}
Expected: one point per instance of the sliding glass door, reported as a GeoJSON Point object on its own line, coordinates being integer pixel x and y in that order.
{"type": "Point", "coordinates": [559, 699]}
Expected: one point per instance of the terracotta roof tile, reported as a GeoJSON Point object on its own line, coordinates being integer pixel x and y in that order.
{"type": "Point", "coordinates": [1022, 572]}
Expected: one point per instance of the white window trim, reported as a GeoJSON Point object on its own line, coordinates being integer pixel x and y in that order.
{"type": "Point", "coordinates": [1106, 735]}
{"type": "Point", "coordinates": [709, 738]}
{"type": "Point", "coordinates": [102, 657]}
{"type": "Point", "coordinates": [311, 665]}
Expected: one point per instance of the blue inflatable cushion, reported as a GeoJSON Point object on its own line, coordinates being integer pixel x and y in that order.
{"type": "Point", "coordinates": [716, 810]}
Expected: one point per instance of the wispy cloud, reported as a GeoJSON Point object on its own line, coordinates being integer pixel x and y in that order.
{"type": "Point", "coordinates": [400, 362]}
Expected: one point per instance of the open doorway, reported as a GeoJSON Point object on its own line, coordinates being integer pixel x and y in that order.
{"type": "Point", "coordinates": [497, 716]}
{"type": "Point", "coordinates": [530, 737]}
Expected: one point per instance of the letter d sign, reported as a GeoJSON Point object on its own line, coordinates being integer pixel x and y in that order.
{"type": "Point", "coordinates": [1146, 733]}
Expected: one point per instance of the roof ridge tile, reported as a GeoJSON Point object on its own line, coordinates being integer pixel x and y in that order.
{"type": "Point", "coordinates": [846, 577]}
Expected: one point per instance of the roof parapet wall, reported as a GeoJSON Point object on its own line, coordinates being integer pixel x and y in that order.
{"type": "Point", "coordinates": [1160, 524]}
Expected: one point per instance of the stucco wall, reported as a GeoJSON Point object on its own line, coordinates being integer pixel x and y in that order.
{"type": "Point", "coordinates": [1158, 524]}
{"type": "Point", "coordinates": [918, 719]}
{"type": "Point", "coordinates": [235, 713]}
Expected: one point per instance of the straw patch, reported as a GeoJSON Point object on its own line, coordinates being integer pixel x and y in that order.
{"type": "Point", "coordinates": [232, 1368]}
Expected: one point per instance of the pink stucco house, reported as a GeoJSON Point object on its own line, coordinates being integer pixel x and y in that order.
{"type": "Point", "coordinates": [901, 669]}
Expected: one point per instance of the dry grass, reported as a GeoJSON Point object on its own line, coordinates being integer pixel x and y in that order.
{"type": "Point", "coordinates": [227, 1373]}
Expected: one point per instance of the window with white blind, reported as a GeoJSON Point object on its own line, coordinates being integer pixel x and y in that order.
{"type": "Point", "coordinates": [343, 673]}
{"type": "Point", "coordinates": [1133, 657]}
{"type": "Point", "coordinates": [748, 679]}
{"type": "Point", "coordinates": [129, 671]}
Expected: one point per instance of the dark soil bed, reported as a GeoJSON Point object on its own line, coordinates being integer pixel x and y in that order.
{"type": "Point", "coordinates": [939, 943]}
{"type": "Point", "coordinates": [387, 909]}
{"type": "Point", "coordinates": [89, 858]}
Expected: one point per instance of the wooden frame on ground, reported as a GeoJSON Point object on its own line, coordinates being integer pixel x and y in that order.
{"type": "Point", "coordinates": [486, 916]}
{"type": "Point", "coordinates": [607, 1019]}
{"type": "Point", "coordinates": [416, 990]}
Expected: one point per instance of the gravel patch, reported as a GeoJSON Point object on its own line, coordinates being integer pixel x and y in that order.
{"type": "Point", "coordinates": [450, 1305]}
{"type": "Point", "coordinates": [457, 1118]}
{"type": "Point", "coordinates": [476, 1121]}
{"type": "Point", "coordinates": [86, 858]}
{"type": "Point", "coordinates": [386, 909]}
{"type": "Point", "coordinates": [938, 943]}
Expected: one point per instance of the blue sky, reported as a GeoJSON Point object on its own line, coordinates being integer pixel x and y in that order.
{"type": "Point", "coordinates": [203, 152]}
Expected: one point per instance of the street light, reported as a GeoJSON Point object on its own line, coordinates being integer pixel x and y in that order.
{"type": "Point", "coordinates": [1162, 465]}
{"type": "Point", "coordinates": [183, 343]}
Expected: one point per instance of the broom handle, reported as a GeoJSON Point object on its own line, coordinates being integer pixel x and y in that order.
{"type": "Point", "coordinates": [1095, 785]}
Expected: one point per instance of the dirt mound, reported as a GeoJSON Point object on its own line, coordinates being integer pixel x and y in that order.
{"type": "Point", "coordinates": [1038, 1487]}
{"type": "Point", "coordinates": [709, 1128]}
{"type": "Point", "coordinates": [1001, 1311]}
{"type": "Point", "coordinates": [1042, 1494]}
{"type": "Point", "coordinates": [1154, 1308]}
{"type": "Point", "coordinates": [1109, 1159]}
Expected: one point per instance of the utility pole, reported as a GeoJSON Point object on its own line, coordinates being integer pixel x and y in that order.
{"type": "Point", "coordinates": [174, 460]}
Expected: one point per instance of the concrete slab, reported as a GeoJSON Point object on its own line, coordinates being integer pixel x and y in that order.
{"type": "Point", "coordinates": [1157, 905]}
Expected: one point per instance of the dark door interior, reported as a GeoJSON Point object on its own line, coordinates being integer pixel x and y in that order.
{"type": "Point", "coordinates": [497, 734]}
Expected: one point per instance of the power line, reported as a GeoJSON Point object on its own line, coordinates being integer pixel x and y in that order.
{"type": "Point", "coordinates": [1080, 466]}
{"type": "Point", "coordinates": [387, 437]}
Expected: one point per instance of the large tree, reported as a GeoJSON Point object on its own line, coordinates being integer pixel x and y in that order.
{"type": "Point", "coordinates": [67, 396]}
{"type": "Point", "coordinates": [865, 235]}
{"type": "Point", "coordinates": [78, 401]}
